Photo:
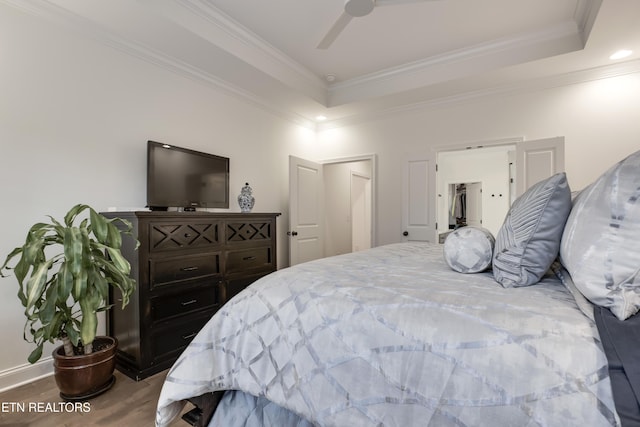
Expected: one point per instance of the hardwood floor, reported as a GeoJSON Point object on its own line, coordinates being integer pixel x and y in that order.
{"type": "Point", "coordinates": [128, 403]}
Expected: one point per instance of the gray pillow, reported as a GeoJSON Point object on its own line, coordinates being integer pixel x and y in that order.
{"type": "Point", "coordinates": [601, 242]}
{"type": "Point", "coordinates": [529, 240]}
{"type": "Point", "coordinates": [469, 249]}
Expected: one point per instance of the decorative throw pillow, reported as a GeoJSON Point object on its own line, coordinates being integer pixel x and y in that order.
{"type": "Point", "coordinates": [601, 242]}
{"type": "Point", "coordinates": [529, 239]}
{"type": "Point", "coordinates": [469, 249]}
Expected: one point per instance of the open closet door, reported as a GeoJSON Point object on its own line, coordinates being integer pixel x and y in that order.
{"type": "Point", "coordinates": [418, 206]}
{"type": "Point", "coordinates": [306, 210]}
{"type": "Point", "coordinates": [537, 160]}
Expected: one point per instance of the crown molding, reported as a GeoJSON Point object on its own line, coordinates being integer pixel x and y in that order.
{"type": "Point", "coordinates": [67, 19]}
{"type": "Point", "coordinates": [232, 27]}
{"type": "Point", "coordinates": [585, 16]}
{"type": "Point", "coordinates": [255, 50]}
{"type": "Point", "coordinates": [558, 39]}
{"type": "Point", "coordinates": [494, 46]}
{"type": "Point", "coordinates": [534, 84]}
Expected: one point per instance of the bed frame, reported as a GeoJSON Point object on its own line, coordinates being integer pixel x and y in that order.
{"type": "Point", "coordinates": [204, 406]}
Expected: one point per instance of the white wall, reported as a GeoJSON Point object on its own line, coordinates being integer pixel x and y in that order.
{"type": "Point", "coordinates": [75, 116]}
{"type": "Point", "coordinates": [599, 120]}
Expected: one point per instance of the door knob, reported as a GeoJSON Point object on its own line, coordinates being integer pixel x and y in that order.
{"type": "Point", "coordinates": [292, 233]}
{"type": "Point", "coordinates": [406, 233]}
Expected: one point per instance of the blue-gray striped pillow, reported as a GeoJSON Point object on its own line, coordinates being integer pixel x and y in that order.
{"type": "Point", "coordinates": [529, 240]}
{"type": "Point", "coordinates": [601, 242]}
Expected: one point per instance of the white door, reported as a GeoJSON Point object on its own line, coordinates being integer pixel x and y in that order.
{"type": "Point", "coordinates": [537, 160]}
{"type": "Point", "coordinates": [306, 210]}
{"type": "Point", "coordinates": [360, 212]}
{"type": "Point", "coordinates": [418, 202]}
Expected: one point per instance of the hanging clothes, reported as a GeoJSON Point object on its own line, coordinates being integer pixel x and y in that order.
{"type": "Point", "coordinates": [459, 205]}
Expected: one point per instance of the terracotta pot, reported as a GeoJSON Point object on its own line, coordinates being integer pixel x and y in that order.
{"type": "Point", "coordinates": [85, 376]}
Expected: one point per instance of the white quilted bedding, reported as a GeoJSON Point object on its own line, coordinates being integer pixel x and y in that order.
{"type": "Point", "coordinates": [393, 337]}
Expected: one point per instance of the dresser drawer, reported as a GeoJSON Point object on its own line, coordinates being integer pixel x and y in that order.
{"type": "Point", "coordinates": [184, 303]}
{"type": "Point", "coordinates": [168, 271]}
{"type": "Point", "coordinates": [168, 236]}
{"type": "Point", "coordinates": [169, 342]}
{"type": "Point", "coordinates": [248, 259]}
{"type": "Point", "coordinates": [249, 231]}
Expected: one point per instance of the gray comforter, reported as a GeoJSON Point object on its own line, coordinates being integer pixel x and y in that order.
{"type": "Point", "coordinates": [393, 337]}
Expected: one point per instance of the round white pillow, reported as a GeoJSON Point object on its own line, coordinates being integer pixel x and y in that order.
{"type": "Point", "coordinates": [469, 249]}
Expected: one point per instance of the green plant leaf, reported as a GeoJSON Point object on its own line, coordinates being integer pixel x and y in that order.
{"type": "Point", "coordinates": [73, 250]}
{"type": "Point", "coordinates": [35, 354]}
{"type": "Point", "coordinates": [12, 254]}
{"type": "Point", "coordinates": [114, 238]}
{"type": "Point", "coordinates": [105, 308]}
{"type": "Point", "coordinates": [21, 270]}
{"type": "Point", "coordinates": [65, 282]}
{"type": "Point", "coordinates": [124, 283]}
{"type": "Point", "coordinates": [89, 323]}
{"type": "Point", "coordinates": [99, 226]}
{"type": "Point", "coordinates": [119, 261]}
{"type": "Point", "coordinates": [35, 285]}
{"type": "Point", "coordinates": [55, 327]}
{"type": "Point", "coordinates": [80, 285]}
{"type": "Point", "coordinates": [70, 217]}
{"type": "Point", "coordinates": [73, 335]}
{"type": "Point", "coordinates": [100, 284]}
{"type": "Point", "coordinates": [48, 307]}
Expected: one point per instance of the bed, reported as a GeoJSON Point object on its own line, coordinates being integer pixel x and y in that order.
{"type": "Point", "coordinates": [404, 335]}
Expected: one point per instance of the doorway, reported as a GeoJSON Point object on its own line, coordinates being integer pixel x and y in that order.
{"type": "Point", "coordinates": [341, 215]}
{"type": "Point", "coordinates": [424, 199]}
{"type": "Point", "coordinates": [348, 206]}
{"type": "Point", "coordinates": [473, 187]}
{"type": "Point", "coordinates": [360, 212]}
{"type": "Point", "coordinates": [464, 204]}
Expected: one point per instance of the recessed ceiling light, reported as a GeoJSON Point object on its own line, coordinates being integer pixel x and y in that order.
{"type": "Point", "coordinates": [621, 54]}
{"type": "Point", "coordinates": [321, 118]}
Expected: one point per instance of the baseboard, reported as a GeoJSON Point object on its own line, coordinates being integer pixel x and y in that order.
{"type": "Point", "coordinates": [26, 373]}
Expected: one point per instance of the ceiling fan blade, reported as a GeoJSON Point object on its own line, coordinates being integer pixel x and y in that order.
{"type": "Point", "coordinates": [335, 31]}
{"type": "Point", "coordinates": [395, 2]}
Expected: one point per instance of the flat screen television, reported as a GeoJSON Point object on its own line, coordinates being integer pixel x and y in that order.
{"type": "Point", "coordinates": [183, 178]}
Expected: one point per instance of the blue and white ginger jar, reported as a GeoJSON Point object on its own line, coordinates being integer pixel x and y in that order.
{"type": "Point", "coordinates": [245, 199]}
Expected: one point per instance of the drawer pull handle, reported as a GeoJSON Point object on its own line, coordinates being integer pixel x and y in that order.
{"type": "Point", "coordinates": [194, 268]}
{"type": "Point", "coordinates": [249, 258]}
{"type": "Point", "coordinates": [191, 335]}
{"type": "Point", "coordinates": [185, 303]}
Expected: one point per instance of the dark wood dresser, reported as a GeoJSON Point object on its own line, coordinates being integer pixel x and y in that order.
{"type": "Point", "coordinates": [187, 266]}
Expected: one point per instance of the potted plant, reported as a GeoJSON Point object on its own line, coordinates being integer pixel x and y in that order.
{"type": "Point", "coordinates": [64, 271]}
